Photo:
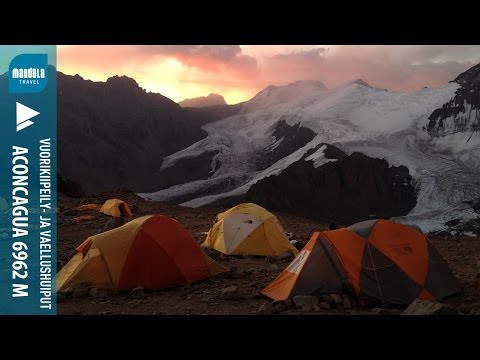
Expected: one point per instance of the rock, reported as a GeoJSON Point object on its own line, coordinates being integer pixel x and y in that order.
{"type": "Point", "coordinates": [187, 288]}
{"type": "Point", "coordinates": [347, 304]}
{"type": "Point", "coordinates": [68, 292]}
{"type": "Point", "coordinates": [113, 223]}
{"type": "Point", "coordinates": [80, 292]}
{"type": "Point", "coordinates": [324, 305]}
{"type": "Point", "coordinates": [265, 309]}
{"type": "Point", "coordinates": [249, 271]}
{"type": "Point", "coordinates": [327, 298]}
{"type": "Point", "coordinates": [137, 293]}
{"type": "Point", "coordinates": [465, 309]}
{"type": "Point", "coordinates": [316, 308]}
{"type": "Point", "coordinates": [337, 298]}
{"type": "Point", "coordinates": [280, 307]}
{"type": "Point", "coordinates": [307, 309]}
{"type": "Point", "coordinates": [305, 301]}
{"type": "Point", "coordinates": [70, 212]}
{"type": "Point", "coordinates": [97, 293]}
{"type": "Point", "coordinates": [424, 307]}
{"type": "Point", "coordinates": [235, 274]}
{"type": "Point", "coordinates": [478, 275]}
{"type": "Point", "coordinates": [378, 311]}
{"type": "Point", "coordinates": [274, 267]}
{"type": "Point", "coordinates": [288, 303]}
{"type": "Point", "coordinates": [478, 264]}
{"type": "Point", "coordinates": [105, 312]}
{"type": "Point", "coordinates": [257, 295]}
{"type": "Point", "coordinates": [231, 293]}
{"type": "Point", "coordinates": [60, 297]}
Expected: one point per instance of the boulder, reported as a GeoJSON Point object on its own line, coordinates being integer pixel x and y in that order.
{"type": "Point", "coordinates": [97, 293]}
{"type": "Point", "coordinates": [337, 298]}
{"type": "Point", "coordinates": [137, 293]}
{"type": "Point", "coordinates": [80, 292]}
{"type": "Point", "coordinates": [424, 307]}
{"type": "Point", "coordinates": [302, 301]}
{"type": "Point", "coordinates": [324, 305]}
{"type": "Point", "coordinates": [265, 309]}
{"type": "Point", "coordinates": [347, 303]}
{"type": "Point", "coordinates": [231, 293]}
{"type": "Point", "coordinates": [378, 311]}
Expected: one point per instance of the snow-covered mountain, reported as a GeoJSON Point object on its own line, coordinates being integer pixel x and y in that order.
{"type": "Point", "coordinates": [280, 125]}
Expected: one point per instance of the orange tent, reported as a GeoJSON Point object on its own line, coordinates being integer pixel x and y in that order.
{"type": "Point", "coordinates": [153, 251]}
{"type": "Point", "coordinates": [377, 260]}
{"type": "Point", "coordinates": [94, 207]}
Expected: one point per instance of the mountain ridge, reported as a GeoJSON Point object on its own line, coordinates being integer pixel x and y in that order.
{"type": "Point", "coordinates": [203, 101]}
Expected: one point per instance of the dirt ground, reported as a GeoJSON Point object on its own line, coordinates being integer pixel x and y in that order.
{"type": "Point", "coordinates": [249, 274]}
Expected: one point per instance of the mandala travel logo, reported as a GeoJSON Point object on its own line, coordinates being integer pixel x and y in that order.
{"type": "Point", "coordinates": [28, 73]}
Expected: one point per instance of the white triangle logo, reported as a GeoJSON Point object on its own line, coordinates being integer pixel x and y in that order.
{"type": "Point", "coordinates": [24, 114]}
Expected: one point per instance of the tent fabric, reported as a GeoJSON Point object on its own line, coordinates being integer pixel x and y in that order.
{"type": "Point", "coordinates": [380, 261]}
{"type": "Point", "coordinates": [114, 207]}
{"type": "Point", "coordinates": [85, 207]}
{"type": "Point", "coordinates": [248, 229]}
{"type": "Point", "coordinates": [83, 218]}
{"type": "Point", "coordinates": [153, 251]}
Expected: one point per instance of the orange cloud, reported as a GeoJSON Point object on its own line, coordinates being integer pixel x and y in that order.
{"type": "Point", "coordinates": [239, 72]}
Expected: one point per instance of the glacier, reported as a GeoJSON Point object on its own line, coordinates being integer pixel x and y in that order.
{"type": "Point", "coordinates": [356, 118]}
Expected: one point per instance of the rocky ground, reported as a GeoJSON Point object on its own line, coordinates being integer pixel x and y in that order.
{"type": "Point", "coordinates": [238, 291]}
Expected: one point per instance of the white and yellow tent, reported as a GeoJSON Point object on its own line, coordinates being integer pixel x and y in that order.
{"type": "Point", "coordinates": [248, 229]}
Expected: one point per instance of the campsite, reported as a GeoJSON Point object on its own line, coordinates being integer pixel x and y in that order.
{"type": "Point", "coordinates": [240, 279]}
{"type": "Point", "coordinates": [304, 196]}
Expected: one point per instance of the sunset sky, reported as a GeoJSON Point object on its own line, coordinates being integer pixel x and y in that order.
{"type": "Point", "coordinates": [239, 72]}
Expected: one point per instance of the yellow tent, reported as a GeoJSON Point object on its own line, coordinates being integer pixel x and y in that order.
{"type": "Point", "coordinates": [115, 207]}
{"type": "Point", "coordinates": [248, 229]}
{"type": "Point", "coordinates": [152, 251]}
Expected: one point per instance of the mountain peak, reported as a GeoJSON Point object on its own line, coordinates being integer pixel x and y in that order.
{"type": "Point", "coordinates": [201, 101]}
{"type": "Point", "coordinates": [472, 76]}
{"type": "Point", "coordinates": [122, 80]}
{"type": "Point", "coordinates": [316, 83]}
{"type": "Point", "coordinates": [360, 82]}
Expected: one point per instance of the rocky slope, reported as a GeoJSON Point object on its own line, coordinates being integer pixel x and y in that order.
{"type": "Point", "coordinates": [342, 188]}
{"type": "Point", "coordinates": [115, 134]}
{"type": "Point", "coordinates": [462, 112]}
